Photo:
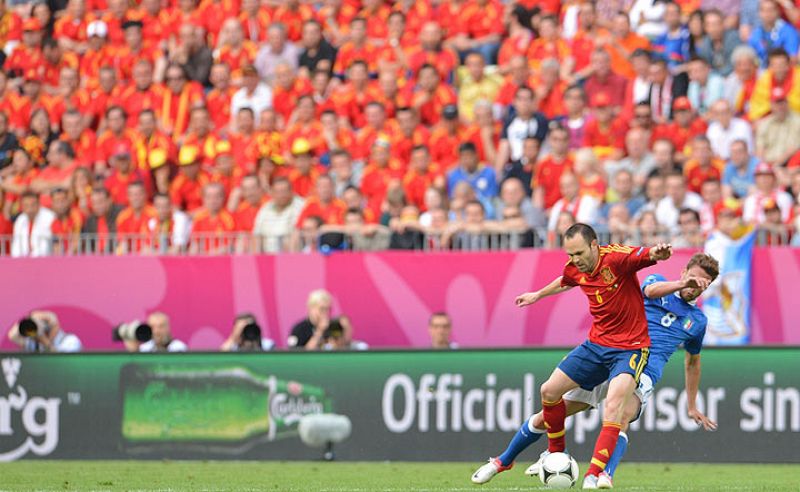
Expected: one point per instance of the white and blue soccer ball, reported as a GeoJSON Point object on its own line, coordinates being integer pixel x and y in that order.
{"type": "Point", "coordinates": [559, 471]}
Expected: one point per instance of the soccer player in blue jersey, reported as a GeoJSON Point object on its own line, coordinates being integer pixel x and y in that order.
{"type": "Point", "coordinates": [673, 320]}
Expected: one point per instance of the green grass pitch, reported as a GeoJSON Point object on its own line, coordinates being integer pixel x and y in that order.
{"type": "Point", "coordinates": [364, 477]}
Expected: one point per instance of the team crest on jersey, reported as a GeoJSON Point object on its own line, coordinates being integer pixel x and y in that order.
{"type": "Point", "coordinates": [687, 325]}
{"type": "Point", "coordinates": [607, 275]}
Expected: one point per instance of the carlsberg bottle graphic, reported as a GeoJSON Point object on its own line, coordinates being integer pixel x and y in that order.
{"type": "Point", "coordinates": [214, 405]}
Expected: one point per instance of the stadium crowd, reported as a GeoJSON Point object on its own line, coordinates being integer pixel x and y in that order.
{"type": "Point", "coordinates": [247, 125]}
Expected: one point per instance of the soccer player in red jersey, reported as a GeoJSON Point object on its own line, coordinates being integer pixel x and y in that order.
{"type": "Point", "coordinates": [618, 343]}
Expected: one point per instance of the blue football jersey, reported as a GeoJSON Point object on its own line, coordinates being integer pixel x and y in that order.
{"type": "Point", "coordinates": [672, 323]}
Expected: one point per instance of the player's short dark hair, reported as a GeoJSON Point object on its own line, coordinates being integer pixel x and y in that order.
{"type": "Point", "coordinates": [585, 231]}
{"type": "Point", "coordinates": [705, 261]}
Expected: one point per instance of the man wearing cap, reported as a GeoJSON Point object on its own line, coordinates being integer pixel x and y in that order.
{"type": "Point", "coordinates": [778, 135]}
{"type": "Point", "coordinates": [28, 53]}
{"type": "Point", "coordinates": [98, 54]}
{"type": "Point", "coordinates": [212, 221]}
{"type": "Point", "coordinates": [766, 190]}
{"type": "Point", "coordinates": [448, 135]}
{"type": "Point", "coordinates": [186, 189]}
{"type": "Point", "coordinates": [781, 72]}
{"type": "Point", "coordinates": [685, 125]}
{"type": "Point", "coordinates": [123, 173]}
{"type": "Point", "coordinates": [117, 133]}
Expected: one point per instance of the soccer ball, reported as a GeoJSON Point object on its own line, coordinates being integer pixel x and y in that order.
{"type": "Point", "coordinates": [559, 471]}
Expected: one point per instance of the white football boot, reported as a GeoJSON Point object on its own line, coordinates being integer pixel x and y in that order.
{"type": "Point", "coordinates": [489, 470]}
{"type": "Point", "coordinates": [533, 470]}
{"type": "Point", "coordinates": [604, 481]}
{"type": "Point", "coordinates": [590, 482]}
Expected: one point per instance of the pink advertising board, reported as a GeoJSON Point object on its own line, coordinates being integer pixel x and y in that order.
{"type": "Point", "coordinates": [389, 296]}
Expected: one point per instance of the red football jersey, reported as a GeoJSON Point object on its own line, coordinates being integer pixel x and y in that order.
{"type": "Point", "coordinates": [615, 300]}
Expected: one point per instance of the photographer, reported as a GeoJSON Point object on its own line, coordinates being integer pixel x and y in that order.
{"type": "Point", "coordinates": [337, 336]}
{"type": "Point", "coordinates": [41, 332]}
{"type": "Point", "coordinates": [246, 336]}
{"type": "Point", "coordinates": [153, 336]}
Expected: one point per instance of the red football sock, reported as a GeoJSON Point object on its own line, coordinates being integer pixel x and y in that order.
{"type": "Point", "coordinates": [554, 413]}
{"type": "Point", "coordinates": [604, 448]}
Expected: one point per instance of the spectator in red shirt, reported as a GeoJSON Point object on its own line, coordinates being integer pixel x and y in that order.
{"type": "Point", "coordinates": [212, 224]}
{"type": "Point", "coordinates": [605, 134]}
{"type": "Point", "coordinates": [134, 221]}
{"type": "Point", "coordinates": [248, 198]}
{"type": "Point", "coordinates": [548, 171]}
{"type": "Point", "coordinates": [430, 96]}
{"type": "Point", "coordinates": [323, 204]}
{"type": "Point", "coordinates": [432, 52]}
{"type": "Point", "coordinates": [479, 28]}
{"type": "Point", "coordinates": [603, 79]}
{"type": "Point", "coordinates": [305, 171]}
{"type": "Point", "coordinates": [359, 47]}
{"type": "Point", "coordinates": [185, 191]}
{"type": "Point", "coordinates": [122, 174]}
{"type": "Point", "coordinates": [702, 165]}
{"type": "Point", "coordinates": [28, 54]}
{"type": "Point", "coordinates": [684, 127]}
{"type": "Point", "coordinates": [67, 225]}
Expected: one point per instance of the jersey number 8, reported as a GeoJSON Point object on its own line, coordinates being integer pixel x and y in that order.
{"type": "Point", "coordinates": [668, 319]}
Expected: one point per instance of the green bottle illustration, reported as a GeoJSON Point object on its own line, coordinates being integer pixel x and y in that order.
{"type": "Point", "coordinates": [219, 405]}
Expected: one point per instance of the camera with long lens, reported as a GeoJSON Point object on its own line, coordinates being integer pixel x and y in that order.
{"type": "Point", "coordinates": [133, 331]}
{"type": "Point", "coordinates": [250, 339]}
{"type": "Point", "coordinates": [32, 328]}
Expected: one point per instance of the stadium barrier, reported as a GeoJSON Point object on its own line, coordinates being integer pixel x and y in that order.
{"type": "Point", "coordinates": [420, 406]}
{"type": "Point", "coordinates": [218, 244]}
{"type": "Point", "coordinates": [388, 296]}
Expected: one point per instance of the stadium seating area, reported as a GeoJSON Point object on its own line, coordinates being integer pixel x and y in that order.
{"type": "Point", "coordinates": [206, 126]}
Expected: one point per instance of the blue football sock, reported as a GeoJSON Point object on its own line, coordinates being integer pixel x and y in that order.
{"type": "Point", "coordinates": [521, 440]}
{"type": "Point", "coordinates": [616, 456]}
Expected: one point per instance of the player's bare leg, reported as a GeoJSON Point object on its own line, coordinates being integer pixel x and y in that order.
{"type": "Point", "coordinates": [620, 390]}
{"type": "Point", "coordinates": [605, 479]}
{"type": "Point", "coordinates": [554, 410]}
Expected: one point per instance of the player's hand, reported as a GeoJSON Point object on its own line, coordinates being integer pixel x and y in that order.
{"type": "Point", "coordinates": [702, 420]}
{"type": "Point", "coordinates": [526, 299]}
{"type": "Point", "coordinates": [696, 283]}
{"type": "Point", "coordinates": [661, 252]}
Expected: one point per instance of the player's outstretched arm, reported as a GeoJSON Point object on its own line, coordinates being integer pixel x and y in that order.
{"type": "Point", "coordinates": [692, 370]}
{"type": "Point", "coordinates": [550, 289]}
{"type": "Point", "coordinates": [661, 252]}
{"type": "Point", "coordinates": [657, 290]}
